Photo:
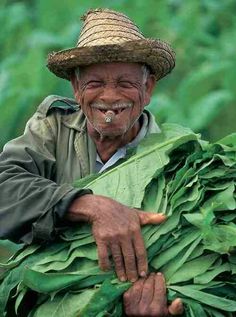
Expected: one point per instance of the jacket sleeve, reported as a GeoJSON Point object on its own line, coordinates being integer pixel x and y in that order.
{"type": "Point", "coordinates": [32, 205]}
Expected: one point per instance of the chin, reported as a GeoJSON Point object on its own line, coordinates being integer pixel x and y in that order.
{"type": "Point", "coordinates": [111, 131]}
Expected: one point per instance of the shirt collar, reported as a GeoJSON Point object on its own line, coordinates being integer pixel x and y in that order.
{"type": "Point", "coordinates": [121, 152]}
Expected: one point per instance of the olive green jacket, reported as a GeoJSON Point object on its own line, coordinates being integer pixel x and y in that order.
{"type": "Point", "coordinates": [38, 168]}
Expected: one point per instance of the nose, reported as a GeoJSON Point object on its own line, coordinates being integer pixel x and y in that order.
{"type": "Point", "coordinates": [110, 94]}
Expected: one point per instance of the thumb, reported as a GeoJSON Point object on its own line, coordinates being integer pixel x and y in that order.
{"type": "Point", "coordinates": [150, 218]}
{"type": "Point", "coordinates": [176, 307]}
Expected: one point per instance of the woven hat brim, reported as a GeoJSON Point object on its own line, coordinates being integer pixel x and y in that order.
{"type": "Point", "coordinates": [157, 54]}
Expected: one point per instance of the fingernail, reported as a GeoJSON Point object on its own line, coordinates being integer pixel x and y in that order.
{"type": "Point", "coordinates": [133, 279]}
{"type": "Point", "coordinates": [123, 279]}
{"type": "Point", "coordinates": [161, 275]}
{"type": "Point", "coordinates": [143, 274]}
{"type": "Point", "coordinates": [176, 307]}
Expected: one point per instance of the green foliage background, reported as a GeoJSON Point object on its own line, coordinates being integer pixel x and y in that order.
{"type": "Point", "coordinates": [200, 93]}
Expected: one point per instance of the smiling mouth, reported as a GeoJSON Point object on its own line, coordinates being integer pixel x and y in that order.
{"type": "Point", "coordinates": [115, 111]}
{"type": "Point", "coordinates": [115, 108]}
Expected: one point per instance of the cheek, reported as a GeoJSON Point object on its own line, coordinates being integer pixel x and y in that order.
{"type": "Point", "coordinates": [139, 103]}
{"type": "Point", "coordinates": [87, 96]}
{"type": "Point", "coordinates": [135, 113]}
{"type": "Point", "coordinates": [137, 97]}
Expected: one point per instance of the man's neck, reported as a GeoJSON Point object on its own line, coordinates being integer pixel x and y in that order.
{"type": "Point", "coordinates": [107, 146]}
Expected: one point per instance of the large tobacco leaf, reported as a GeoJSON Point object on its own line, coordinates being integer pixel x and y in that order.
{"type": "Point", "coordinates": [174, 172]}
{"type": "Point", "coordinates": [127, 182]}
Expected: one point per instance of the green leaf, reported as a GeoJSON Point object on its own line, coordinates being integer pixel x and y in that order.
{"type": "Point", "coordinates": [170, 268]}
{"type": "Point", "coordinates": [63, 305]}
{"type": "Point", "coordinates": [153, 233]}
{"type": "Point", "coordinates": [50, 282]}
{"type": "Point", "coordinates": [153, 195]}
{"type": "Point", "coordinates": [206, 298]}
{"type": "Point", "coordinates": [224, 200]}
{"type": "Point", "coordinates": [106, 294]}
{"type": "Point", "coordinates": [124, 182]}
{"type": "Point", "coordinates": [192, 269]}
{"type": "Point", "coordinates": [173, 251]}
{"type": "Point", "coordinates": [210, 275]}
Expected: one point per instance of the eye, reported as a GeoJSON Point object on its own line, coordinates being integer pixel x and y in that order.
{"type": "Point", "coordinates": [94, 84]}
{"type": "Point", "coordinates": [125, 84]}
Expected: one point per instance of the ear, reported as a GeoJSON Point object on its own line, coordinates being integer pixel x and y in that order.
{"type": "Point", "coordinates": [149, 87]}
{"type": "Point", "coordinates": [75, 86]}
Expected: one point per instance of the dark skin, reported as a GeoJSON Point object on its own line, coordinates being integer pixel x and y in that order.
{"type": "Point", "coordinates": [147, 297]}
{"type": "Point", "coordinates": [116, 228]}
{"type": "Point", "coordinates": [111, 83]}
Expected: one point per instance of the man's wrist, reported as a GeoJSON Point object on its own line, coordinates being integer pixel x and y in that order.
{"type": "Point", "coordinates": [80, 209]}
{"type": "Point", "coordinates": [61, 208]}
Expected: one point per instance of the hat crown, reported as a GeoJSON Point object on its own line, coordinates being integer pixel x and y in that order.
{"type": "Point", "coordinates": [109, 36]}
{"type": "Point", "coordinates": [106, 27]}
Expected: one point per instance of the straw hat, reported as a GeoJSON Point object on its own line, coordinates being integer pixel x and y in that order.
{"type": "Point", "coordinates": [110, 36]}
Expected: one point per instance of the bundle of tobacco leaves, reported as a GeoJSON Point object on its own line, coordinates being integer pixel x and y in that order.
{"type": "Point", "coordinates": [175, 172]}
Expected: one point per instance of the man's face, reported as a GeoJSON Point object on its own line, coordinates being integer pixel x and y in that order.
{"type": "Point", "coordinates": [115, 90]}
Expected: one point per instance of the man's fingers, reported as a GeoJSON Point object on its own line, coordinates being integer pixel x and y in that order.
{"type": "Point", "coordinates": [148, 290]}
{"type": "Point", "coordinates": [176, 307]}
{"type": "Point", "coordinates": [134, 293]}
{"type": "Point", "coordinates": [129, 260]}
{"type": "Point", "coordinates": [159, 295]}
{"type": "Point", "coordinates": [118, 261]}
{"type": "Point", "coordinates": [132, 298]}
{"type": "Point", "coordinates": [141, 254]}
{"type": "Point", "coordinates": [103, 256]}
{"type": "Point", "coordinates": [150, 218]}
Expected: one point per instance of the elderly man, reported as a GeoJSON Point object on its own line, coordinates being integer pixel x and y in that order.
{"type": "Point", "coordinates": [113, 71]}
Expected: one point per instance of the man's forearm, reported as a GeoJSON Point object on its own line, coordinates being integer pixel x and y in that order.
{"type": "Point", "coordinates": [31, 205]}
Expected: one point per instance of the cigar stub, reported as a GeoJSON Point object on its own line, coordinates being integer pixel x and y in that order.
{"type": "Point", "coordinates": [109, 116]}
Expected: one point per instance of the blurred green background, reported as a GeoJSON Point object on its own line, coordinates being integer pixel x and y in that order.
{"type": "Point", "coordinates": [200, 93]}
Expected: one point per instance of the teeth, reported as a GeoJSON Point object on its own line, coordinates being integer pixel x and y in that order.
{"type": "Point", "coordinates": [110, 113]}
{"type": "Point", "coordinates": [115, 111]}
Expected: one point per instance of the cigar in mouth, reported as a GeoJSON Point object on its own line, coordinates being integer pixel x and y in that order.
{"type": "Point", "coordinates": [109, 116]}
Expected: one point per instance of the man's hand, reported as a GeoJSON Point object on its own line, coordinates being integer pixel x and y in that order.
{"type": "Point", "coordinates": [116, 229]}
{"type": "Point", "coordinates": [147, 297]}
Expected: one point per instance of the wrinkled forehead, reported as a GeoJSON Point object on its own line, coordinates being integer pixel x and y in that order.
{"type": "Point", "coordinates": [110, 70]}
